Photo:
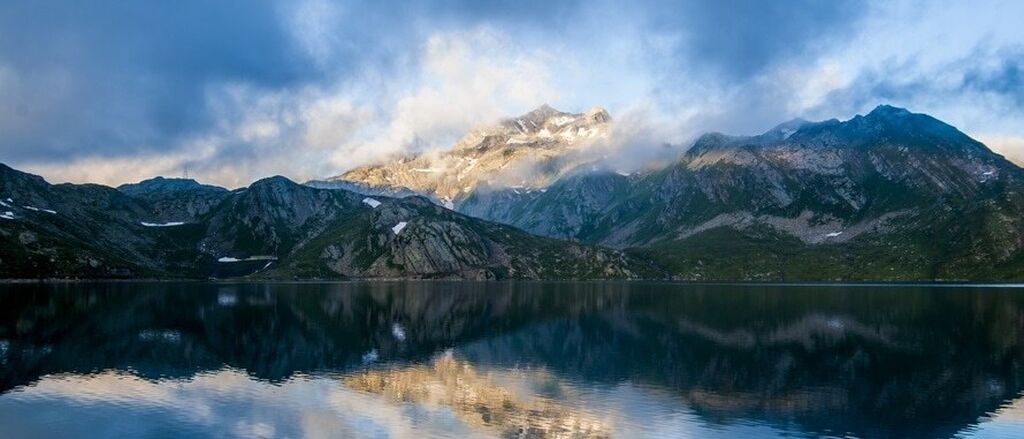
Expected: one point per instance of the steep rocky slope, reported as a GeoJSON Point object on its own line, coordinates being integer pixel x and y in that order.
{"type": "Point", "coordinates": [274, 228]}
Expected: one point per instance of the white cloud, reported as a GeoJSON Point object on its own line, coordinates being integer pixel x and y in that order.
{"type": "Point", "coordinates": [260, 134]}
{"type": "Point", "coordinates": [314, 23]}
{"type": "Point", "coordinates": [463, 79]}
{"type": "Point", "coordinates": [111, 171]}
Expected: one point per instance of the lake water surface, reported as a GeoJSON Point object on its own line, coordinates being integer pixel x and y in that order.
{"type": "Point", "coordinates": [561, 359]}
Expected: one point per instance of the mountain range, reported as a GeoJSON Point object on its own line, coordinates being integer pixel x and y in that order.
{"type": "Point", "coordinates": [275, 228]}
{"type": "Point", "coordinates": [890, 195]}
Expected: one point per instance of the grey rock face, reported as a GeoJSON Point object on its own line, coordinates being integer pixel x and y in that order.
{"type": "Point", "coordinates": [414, 237]}
{"type": "Point", "coordinates": [439, 247]}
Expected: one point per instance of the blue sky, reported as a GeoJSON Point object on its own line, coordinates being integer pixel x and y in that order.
{"type": "Point", "coordinates": [116, 91]}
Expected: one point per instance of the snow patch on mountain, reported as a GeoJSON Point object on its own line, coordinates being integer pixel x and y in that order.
{"type": "Point", "coordinates": [38, 209]}
{"type": "Point", "coordinates": [167, 224]}
{"type": "Point", "coordinates": [228, 259]}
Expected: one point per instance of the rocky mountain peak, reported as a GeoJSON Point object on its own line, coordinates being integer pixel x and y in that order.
{"type": "Point", "coordinates": [899, 119]}
{"type": "Point", "coordinates": [885, 125]}
{"type": "Point", "coordinates": [547, 122]}
{"type": "Point", "coordinates": [542, 112]}
{"type": "Point", "coordinates": [161, 180]}
{"type": "Point", "coordinates": [531, 122]}
{"type": "Point", "coordinates": [526, 151]}
{"type": "Point", "coordinates": [598, 115]}
{"type": "Point", "coordinates": [894, 125]}
{"type": "Point", "coordinates": [273, 181]}
{"type": "Point", "coordinates": [543, 121]}
{"type": "Point", "coordinates": [782, 131]}
{"type": "Point", "coordinates": [174, 200]}
{"type": "Point", "coordinates": [164, 185]}
{"type": "Point", "coordinates": [886, 110]}
{"type": "Point", "coordinates": [276, 188]}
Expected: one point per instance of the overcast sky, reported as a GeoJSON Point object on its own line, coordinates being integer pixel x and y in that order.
{"type": "Point", "coordinates": [234, 90]}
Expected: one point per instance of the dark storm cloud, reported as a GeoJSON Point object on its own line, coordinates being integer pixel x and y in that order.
{"type": "Point", "coordinates": [96, 77]}
{"type": "Point", "coordinates": [86, 78]}
{"type": "Point", "coordinates": [736, 39]}
{"type": "Point", "coordinates": [983, 72]}
{"type": "Point", "coordinates": [1005, 80]}
{"type": "Point", "coordinates": [895, 83]}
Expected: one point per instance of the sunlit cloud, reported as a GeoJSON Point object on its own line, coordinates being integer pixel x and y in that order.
{"type": "Point", "coordinates": [1011, 147]}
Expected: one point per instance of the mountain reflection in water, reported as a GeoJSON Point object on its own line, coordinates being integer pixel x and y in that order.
{"type": "Point", "coordinates": [562, 359]}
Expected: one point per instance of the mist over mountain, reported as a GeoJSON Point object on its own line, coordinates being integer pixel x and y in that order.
{"type": "Point", "coordinates": [528, 151]}
{"type": "Point", "coordinates": [889, 195]}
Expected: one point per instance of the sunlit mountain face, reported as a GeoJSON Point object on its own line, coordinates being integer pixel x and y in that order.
{"type": "Point", "coordinates": [538, 359]}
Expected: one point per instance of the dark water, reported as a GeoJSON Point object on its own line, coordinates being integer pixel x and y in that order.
{"type": "Point", "coordinates": [423, 360]}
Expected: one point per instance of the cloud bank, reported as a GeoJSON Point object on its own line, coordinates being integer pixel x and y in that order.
{"type": "Point", "coordinates": [233, 91]}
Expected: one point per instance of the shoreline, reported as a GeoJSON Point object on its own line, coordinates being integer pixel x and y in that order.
{"type": "Point", "coordinates": [779, 283]}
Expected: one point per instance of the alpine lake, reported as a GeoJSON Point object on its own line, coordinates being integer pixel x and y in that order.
{"type": "Point", "coordinates": [435, 359]}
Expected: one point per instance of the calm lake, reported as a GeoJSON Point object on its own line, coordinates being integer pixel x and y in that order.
{"type": "Point", "coordinates": [562, 359]}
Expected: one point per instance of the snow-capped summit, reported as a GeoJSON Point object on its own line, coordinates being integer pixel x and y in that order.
{"type": "Point", "coordinates": [533, 121]}
{"type": "Point", "coordinates": [526, 151]}
{"type": "Point", "coordinates": [598, 115]}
